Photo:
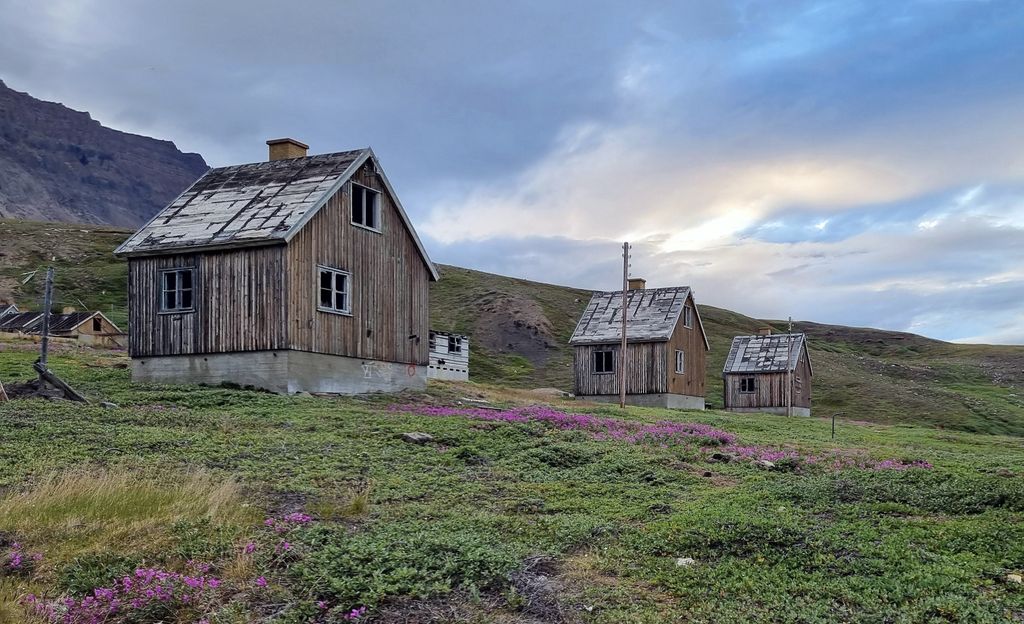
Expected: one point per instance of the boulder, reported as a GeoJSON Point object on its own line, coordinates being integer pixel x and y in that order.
{"type": "Point", "coordinates": [416, 437]}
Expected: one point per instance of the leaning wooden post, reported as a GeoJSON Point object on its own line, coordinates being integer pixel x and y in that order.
{"type": "Point", "coordinates": [625, 313]}
{"type": "Point", "coordinates": [47, 303]}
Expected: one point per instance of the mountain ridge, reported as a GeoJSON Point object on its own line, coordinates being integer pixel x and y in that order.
{"type": "Point", "coordinates": [60, 164]}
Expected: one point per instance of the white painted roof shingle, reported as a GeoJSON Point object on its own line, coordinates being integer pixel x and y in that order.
{"type": "Point", "coordinates": [653, 314]}
{"type": "Point", "coordinates": [764, 354]}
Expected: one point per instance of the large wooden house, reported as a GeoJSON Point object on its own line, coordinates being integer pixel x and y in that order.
{"type": "Point", "coordinates": [666, 348]}
{"type": "Point", "coordinates": [768, 373]}
{"type": "Point", "coordinates": [300, 274]}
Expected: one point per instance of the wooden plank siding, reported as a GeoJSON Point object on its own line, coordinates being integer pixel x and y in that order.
{"type": "Point", "coordinates": [390, 285]}
{"type": "Point", "coordinates": [238, 299]}
{"type": "Point", "coordinates": [646, 369]}
{"type": "Point", "coordinates": [691, 341]}
{"type": "Point", "coordinates": [770, 389]}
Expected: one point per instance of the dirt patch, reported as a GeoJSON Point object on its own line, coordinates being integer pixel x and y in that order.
{"type": "Point", "coordinates": [514, 324]}
{"type": "Point", "coordinates": [34, 389]}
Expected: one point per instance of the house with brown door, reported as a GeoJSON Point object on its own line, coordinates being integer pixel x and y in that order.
{"type": "Point", "coordinates": [298, 274]}
{"type": "Point", "coordinates": [666, 348]}
{"type": "Point", "coordinates": [768, 373]}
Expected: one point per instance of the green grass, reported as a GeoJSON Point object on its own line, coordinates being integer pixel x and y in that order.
{"type": "Point", "coordinates": [450, 528]}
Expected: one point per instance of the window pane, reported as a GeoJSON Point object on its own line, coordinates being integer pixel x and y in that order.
{"type": "Point", "coordinates": [371, 209]}
{"type": "Point", "coordinates": [186, 299]}
{"type": "Point", "coordinates": [325, 297]}
{"type": "Point", "coordinates": [186, 279]}
{"type": "Point", "coordinates": [170, 280]}
{"type": "Point", "coordinates": [325, 279]}
{"type": "Point", "coordinates": [169, 300]}
{"type": "Point", "coordinates": [340, 282]}
{"type": "Point", "coordinates": [340, 301]}
{"type": "Point", "coordinates": [358, 199]}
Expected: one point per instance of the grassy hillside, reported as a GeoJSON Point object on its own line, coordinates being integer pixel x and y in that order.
{"type": "Point", "coordinates": [520, 329]}
{"type": "Point", "coordinates": [521, 514]}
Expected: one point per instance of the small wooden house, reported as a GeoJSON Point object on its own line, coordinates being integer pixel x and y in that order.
{"type": "Point", "coordinates": [665, 350]}
{"type": "Point", "coordinates": [762, 372]}
{"type": "Point", "coordinates": [299, 274]}
{"type": "Point", "coordinates": [91, 328]}
{"type": "Point", "coordinates": [449, 356]}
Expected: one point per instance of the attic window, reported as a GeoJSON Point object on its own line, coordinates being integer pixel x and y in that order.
{"type": "Point", "coordinates": [604, 362]}
{"type": "Point", "coordinates": [97, 324]}
{"type": "Point", "coordinates": [365, 207]}
{"type": "Point", "coordinates": [176, 290]}
{"type": "Point", "coordinates": [454, 344]}
{"type": "Point", "coordinates": [334, 291]}
{"type": "Point", "coordinates": [748, 384]}
{"type": "Point", "coordinates": [687, 316]}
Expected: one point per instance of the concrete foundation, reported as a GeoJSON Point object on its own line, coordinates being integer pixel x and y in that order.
{"type": "Point", "coordinates": [284, 372]}
{"type": "Point", "coordinates": [797, 411]}
{"type": "Point", "coordinates": [670, 401]}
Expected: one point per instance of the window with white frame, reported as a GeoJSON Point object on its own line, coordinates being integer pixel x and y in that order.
{"type": "Point", "coordinates": [365, 207]}
{"type": "Point", "coordinates": [748, 384]}
{"type": "Point", "coordinates": [604, 362]}
{"type": "Point", "coordinates": [687, 316]}
{"type": "Point", "coordinates": [335, 286]}
{"type": "Point", "coordinates": [176, 290]}
{"type": "Point", "coordinates": [454, 344]}
{"type": "Point", "coordinates": [680, 361]}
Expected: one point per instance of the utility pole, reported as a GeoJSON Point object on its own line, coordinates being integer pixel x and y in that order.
{"type": "Point", "coordinates": [789, 369]}
{"type": "Point", "coordinates": [47, 303]}
{"type": "Point", "coordinates": [625, 314]}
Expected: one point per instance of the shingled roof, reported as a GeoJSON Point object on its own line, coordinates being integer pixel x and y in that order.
{"type": "Point", "coordinates": [764, 354]}
{"type": "Point", "coordinates": [254, 204]}
{"type": "Point", "coordinates": [653, 314]}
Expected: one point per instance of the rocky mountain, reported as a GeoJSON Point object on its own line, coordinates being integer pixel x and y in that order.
{"type": "Point", "coordinates": [58, 164]}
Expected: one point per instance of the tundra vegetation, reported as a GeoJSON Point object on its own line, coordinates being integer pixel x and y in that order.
{"type": "Point", "coordinates": [214, 504]}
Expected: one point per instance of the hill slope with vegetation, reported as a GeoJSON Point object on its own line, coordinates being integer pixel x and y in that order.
{"type": "Point", "coordinates": [520, 330]}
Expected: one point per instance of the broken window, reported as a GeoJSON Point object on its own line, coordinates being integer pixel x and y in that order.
{"type": "Point", "coordinates": [748, 384]}
{"type": "Point", "coordinates": [97, 324]}
{"type": "Point", "coordinates": [365, 207]}
{"type": "Point", "coordinates": [680, 361]}
{"type": "Point", "coordinates": [687, 316]}
{"type": "Point", "coordinates": [604, 361]}
{"type": "Point", "coordinates": [176, 290]}
{"type": "Point", "coordinates": [334, 290]}
{"type": "Point", "coordinates": [454, 344]}
{"type": "Point", "coordinates": [433, 341]}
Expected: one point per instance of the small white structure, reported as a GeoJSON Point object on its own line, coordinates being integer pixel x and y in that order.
{"type": "Point", "coordinates": [449, 356]}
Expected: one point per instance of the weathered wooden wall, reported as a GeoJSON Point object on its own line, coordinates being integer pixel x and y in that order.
{"type": "Point", "coordinates": [691, 341]}
{"type": "Point", "coordinates": [646, 369]}
{"type": "Point", "coordinates": [239, 303]}
{"type": "Point", "coordinates": [390, 287]}
{"type": "Point", "coordinates": [771, 388]}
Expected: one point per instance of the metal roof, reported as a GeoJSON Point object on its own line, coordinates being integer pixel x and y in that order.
{"type": "Point", "coordinates": [254, 204]}
{"type": "Point", "coordinates": [764, 354]}
{"type": "Point", "coordinates": [652, 316]}
{"type": "Point", "coordinates": [22, 321]}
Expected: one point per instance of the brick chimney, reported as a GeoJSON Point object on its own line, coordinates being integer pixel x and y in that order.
{"type": "Point", "coordinates": [286, 148]}
{"type": "Point", "coordinates": [637, 283]}
{"type": "Point", "coordinates": [765, 331]}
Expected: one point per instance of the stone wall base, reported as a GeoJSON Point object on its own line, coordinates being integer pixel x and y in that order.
{"type": "Point", "coordinates": [670, 401]}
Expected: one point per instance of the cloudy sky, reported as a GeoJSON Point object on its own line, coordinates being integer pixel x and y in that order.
{"type": "Point", "coordinates": [845, 162]}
